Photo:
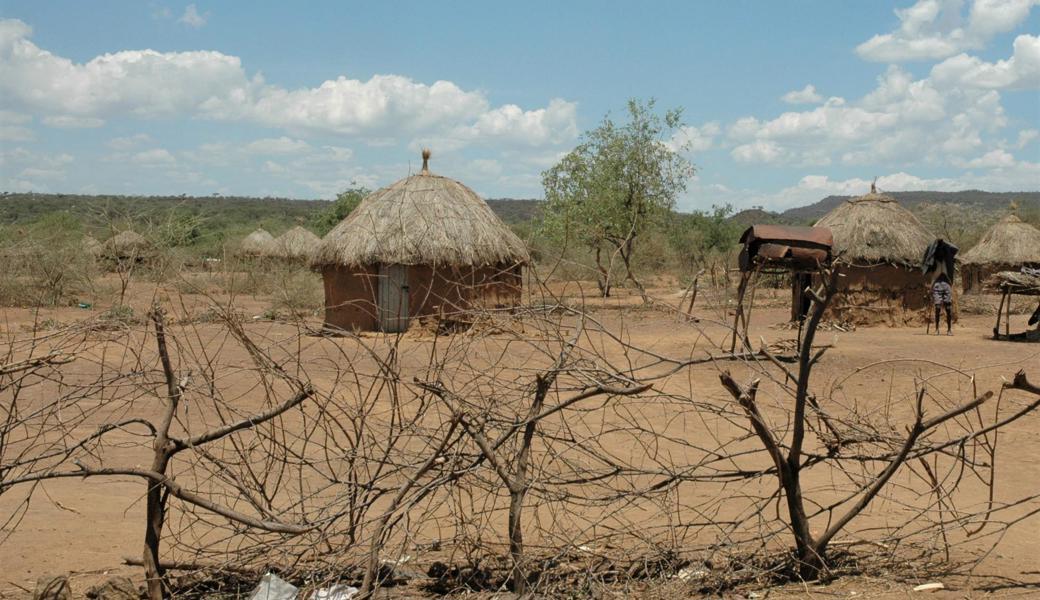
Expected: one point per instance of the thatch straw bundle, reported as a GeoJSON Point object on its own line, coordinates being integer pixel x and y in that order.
{"type": "Point", "coordinates": [424, 219]}
{"type": "Point", "coordinates": [1015, 282]}
{"type": "Point", "coordinates": [875, 229]}
{"type": "Point", "coordinates": [295, 244]}
{"type": "Point", "coordinates": [1009, 242]}
{"type": "Point", "coordinates": [257, 243]}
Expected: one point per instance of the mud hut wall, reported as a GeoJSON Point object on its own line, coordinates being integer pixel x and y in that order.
{"type": "Point", "coordinates": [882, 294]}
{"type": "Point", "coordinates": [350, 297]}
{"type": "Point", "coordinates": [435, 291]}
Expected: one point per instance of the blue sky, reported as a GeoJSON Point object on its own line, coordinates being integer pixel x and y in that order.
{"type": "Point", "coordinates": [784, 102]}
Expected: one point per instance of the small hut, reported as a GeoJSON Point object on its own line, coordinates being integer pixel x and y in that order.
{"type": "Point", "coordinates": [297, 244]}
{"type": "Point", "coordinates": [126, 245]}
{"type": "Point", "coordinates": [425, 246]}
{"type": "Point", "coordinates": [881, 245]}
{"type": "Point", "coordinates": [256, 244]}
{"type": "Point", "coordinates": [1008, 246]}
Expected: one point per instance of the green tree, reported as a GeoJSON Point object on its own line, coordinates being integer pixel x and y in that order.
{"type": "Point", "coordinates": [695, 236]}
{"type": "Point", "coordinates": [178, 228]}
{"type": "Point", "coordinates": [621, 181]}
{"type": "Point", "coordinates": [344, 204]}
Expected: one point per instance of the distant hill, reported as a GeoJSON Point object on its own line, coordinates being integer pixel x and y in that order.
{"type": "Point", "coordinates": [237, 213]}
{"type": "Point", "coordinates": [757, 216]}
{"type": "Point", "coordinates": [243, 210]}
{"type": "Point", "coordinates": [984, 202]}
{"type": "Point", "coordinates": [514, 211]}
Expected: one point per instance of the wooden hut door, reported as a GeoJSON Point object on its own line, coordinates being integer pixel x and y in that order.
{"type": "Point", "coordinates": [393, 298]}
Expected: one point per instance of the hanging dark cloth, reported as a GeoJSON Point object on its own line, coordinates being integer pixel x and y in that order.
{"type": "Point", "coordinates": [939, 255]}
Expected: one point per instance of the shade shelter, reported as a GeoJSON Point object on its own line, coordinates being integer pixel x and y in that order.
{"type": "Point", "coordinates": [257, 243]}
{"type": "Point", "coordinates": [1007, 246]}
{"type": "Point", "coordinates": [800, 251]}
{"type": "Point", "coordinates": [297, 244]}
{"type": "Point", "coordinates": [424, 246]}
{"type": "Point", "coordinates": [1025, 282]}
{"type": "Point", "coordinates": [880, 244]}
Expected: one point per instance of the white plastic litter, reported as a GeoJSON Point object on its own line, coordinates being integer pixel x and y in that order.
{"type": "Point", "coordinates": [273, 587]}
{"type": "Point", "coordinates": [689, 573]}
{"type": "Point", "coordinates": [340, 591]}
{"type": "Point", "coordinates": [929, 587]}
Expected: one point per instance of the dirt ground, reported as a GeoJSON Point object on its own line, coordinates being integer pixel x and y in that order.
{"type": "Point", "coordinates": [86, 527]}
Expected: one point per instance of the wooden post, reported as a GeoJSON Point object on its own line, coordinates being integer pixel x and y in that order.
{"type": "Point", "coordinates": [1000, 309]}
{"type": "Point", "coordinates": [739, 312]}
{"type": "Point", "coordinates": [1007, 314]}
{"type": "Point", "coordinates": [753, 280]}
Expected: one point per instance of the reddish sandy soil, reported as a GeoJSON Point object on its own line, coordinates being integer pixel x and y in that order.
{"type": "Point", "coordinates": [86, 527]}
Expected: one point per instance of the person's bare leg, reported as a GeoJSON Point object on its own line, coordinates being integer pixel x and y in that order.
{"type": "Point", "coordinates": [938, 309]}
{"type": "Point", "coordinates": [949, 318]}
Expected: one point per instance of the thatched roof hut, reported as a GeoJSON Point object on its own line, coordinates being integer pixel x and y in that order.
{"type": "Point", "coordinates": [875, 229]}
{"type": "Point", "coordinates": [295, 244]}
{"type": "Point", "coordinates": [425, 245]}
{"type": "Point", "coordinates": [882, 245]}
{"type": "Point", "coordinates": [257, 243]}
{"type": "Point", "coordinates": [424, 219]}
{"type": "Point", "coordinates": [127, 244]}
{"type": "Point", "coordinates": [1007, 246]}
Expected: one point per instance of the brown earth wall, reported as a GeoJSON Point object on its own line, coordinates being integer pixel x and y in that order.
{"type": "Point", "coordinates": [351, 294]}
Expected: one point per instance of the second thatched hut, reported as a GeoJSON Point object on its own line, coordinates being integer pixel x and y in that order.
{"type": "Point", "coordinates": [256, 244]}
{"type": "Point", "coordinates": [296, 245]}
{"type": "Point", "coordinates": [881, 245]}
{"type": "Point", "coordinates": [1007, 246]}
{"type": "Point", "coordinates": [127, 245]}
{"type": "Point", "coordinates": [425, 246]}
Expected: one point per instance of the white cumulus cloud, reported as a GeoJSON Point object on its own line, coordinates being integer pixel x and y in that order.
{"type": "Point", "coordinates": [130, 141]}
{"type": "Point", "coordinates": [695, 139]}
{"type": "Point", "coordinates": [902, 120]}
{"type": "Point", "coordinates": [936, 29]}
{"type": "Point", "coordinates": [1020, 71]}
{"type": "Point", "coordinates": [213, 85]}
{"type": "Point", "coordinates": [280, 145]}
{"type": "Point", "coordinates": [69, 122]}
{"type": "Point", "coordinates": [153, 157]}
{"type": "Point", "coordinates": [806, 95]}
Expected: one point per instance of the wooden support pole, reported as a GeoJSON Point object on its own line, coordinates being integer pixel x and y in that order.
{"type": "Point", "coordinates": [1007, 315]}
{"type": "Point", "coordinates": [739, 312]}
{"type": "Point", "coordinates": [1000, 309]}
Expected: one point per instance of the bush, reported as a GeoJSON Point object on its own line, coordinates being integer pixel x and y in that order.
{"type": "Point", "coordinates": [46, 264]}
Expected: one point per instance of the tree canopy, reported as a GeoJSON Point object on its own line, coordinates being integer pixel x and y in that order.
{"type": "Point", "coordinates": [622, 179]}
{"type": "Point", "coordinates": [345, 203]}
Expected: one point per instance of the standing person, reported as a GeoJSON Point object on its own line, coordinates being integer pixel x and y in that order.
{"type": "Point", "coordinates": [942, 297]}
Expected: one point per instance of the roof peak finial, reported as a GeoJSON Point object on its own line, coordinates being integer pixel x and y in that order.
{"type": "Point", "coordinates": [426, 161]}
{"type": "Point", "coordinates": [873, 186]}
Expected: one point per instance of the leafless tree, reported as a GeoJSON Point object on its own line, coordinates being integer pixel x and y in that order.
{"type": "Point", "coordinates": [850, 439]}
{"type": "Point", "coordinates": [541, 449]}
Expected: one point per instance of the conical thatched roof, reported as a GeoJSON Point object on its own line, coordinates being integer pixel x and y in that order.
{"type": "Point", "coordinates": [256, 243]}
{"type": "Point", "coordinates": [297, 243]}
{"type": "Point", "coordinates": [1009, 241]}
{"type": "Point", "coordinates": [424, 219]}
{"type": "Point", "coordinates": [126, 243]}
{"type": "Point", "coordinates": [875, 229]}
